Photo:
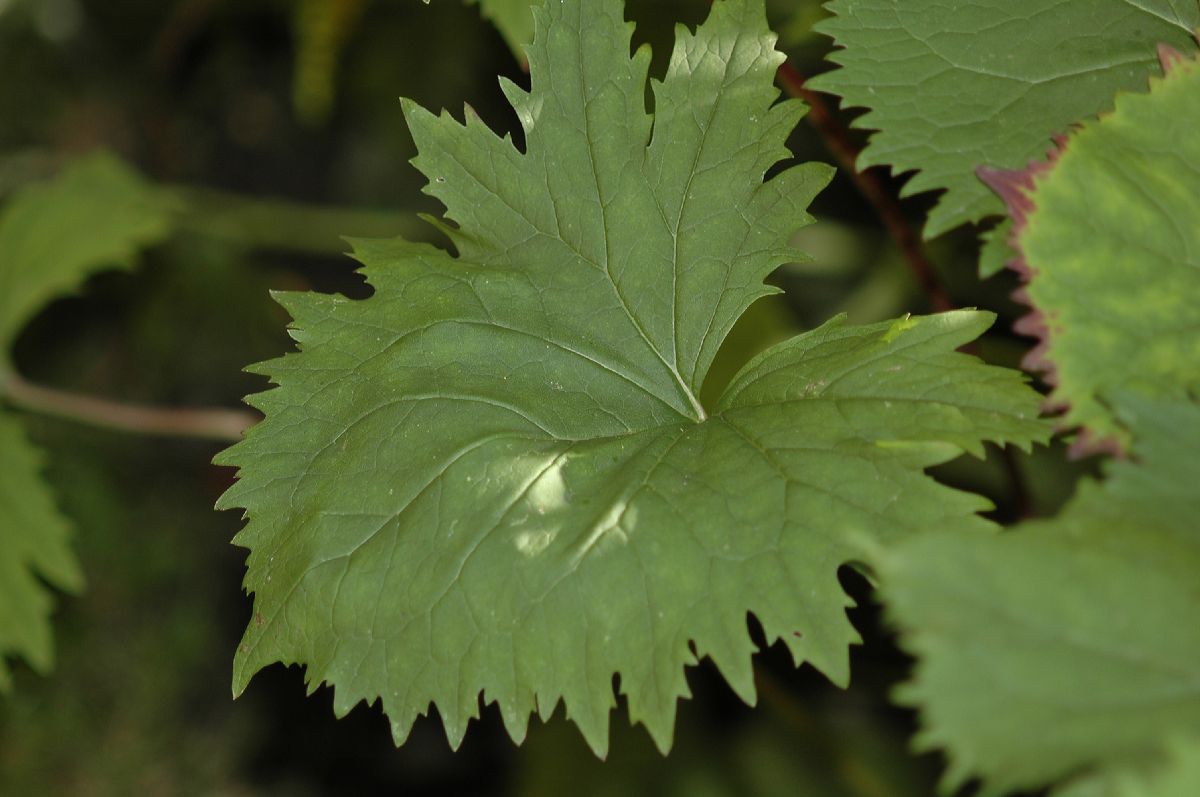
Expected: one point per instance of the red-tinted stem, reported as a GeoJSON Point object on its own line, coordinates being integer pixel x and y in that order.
{"type": "Point", "coordinates": [887, 207]}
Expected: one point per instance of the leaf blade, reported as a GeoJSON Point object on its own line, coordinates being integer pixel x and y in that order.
{"type": "Point", "coordinates": [492, 477]}
{"type": "Point", "coordinates": [987, 83]}
{"type": "Point", "coordinates": [1081, 626]}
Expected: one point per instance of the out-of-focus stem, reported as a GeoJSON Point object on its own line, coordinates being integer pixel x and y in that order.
{"type": "Point", "coordinates": [198, 423]}
{"type": "Point", "coordinates": [837, 139]}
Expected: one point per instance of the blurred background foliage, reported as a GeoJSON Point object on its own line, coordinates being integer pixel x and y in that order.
{"type": "Point", "coordinates": [275, 125]}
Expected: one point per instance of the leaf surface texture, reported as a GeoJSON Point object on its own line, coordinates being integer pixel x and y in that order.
{"type": "Point", "coordinates": [952, 86]}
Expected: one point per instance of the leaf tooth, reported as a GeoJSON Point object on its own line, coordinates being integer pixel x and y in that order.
{"type": "Point", "coordinates": [455, 720]}
{"type": "Point", "coordinates": [515, 714]}
{"type": "Point", "coordinates": [400, 722]}
{"type": "Point", "coordinates": [593, 725]}
{"type": "Point", "coordinates": [728, 645]}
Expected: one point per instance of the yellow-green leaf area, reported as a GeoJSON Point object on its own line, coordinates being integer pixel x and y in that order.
{"type": "Point", "coordinates": [96, 213]}
{"type": "Point", "coordinates": [1113, 250]}
{"type": "Point", "coordinates": [34, 553]}
{"type": "Point", "coordinates": [1175, 773]}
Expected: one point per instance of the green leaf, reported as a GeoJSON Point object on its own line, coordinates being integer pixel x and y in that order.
{"type": "Point", "coordinates": [1070, 642]}
{"type": "Point", "coordinates": [97, 214]}
{"type": "Point", "coordinates": [1109, 238]}
{"type": "Point", "coordinates": [34, 552]}
{"type": "Point", "coordinates": [494, 475]}
{"type": "Point", "coordinates": [955, 86]}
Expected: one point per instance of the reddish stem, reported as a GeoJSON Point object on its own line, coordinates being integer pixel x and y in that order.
{"type": "Point", "coordinates": [837, 139]}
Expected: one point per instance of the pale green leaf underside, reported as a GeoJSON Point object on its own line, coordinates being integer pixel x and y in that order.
{"type": "Point", "coordinates": [494, 476]}
{"type": "Point", "coordinates": [1113, 245]}
{"type": "Point", "coordinates": [1070, 642]}
{"type": "Point", "coordinates": [958, 85]}
{"type": "Point", "coordinates": [33, 549]}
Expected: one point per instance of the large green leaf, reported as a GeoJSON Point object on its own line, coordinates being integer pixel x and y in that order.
{"type": "Point", "coordinates": [954, 86]}
{"type": "Point", "coordinates": [96, 214]}
{"type": "Point", "coordinates": [1108, 234]}
{"type": "Point", "coordinates": [494, 475]}
{"type": "Point", "coordinates": [1070, 642]}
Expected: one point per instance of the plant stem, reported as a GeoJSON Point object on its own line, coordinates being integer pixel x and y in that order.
{"type": "Point", "coordinates": [837, 138]}
{"type": "Point", "coordinates": [205, 424]}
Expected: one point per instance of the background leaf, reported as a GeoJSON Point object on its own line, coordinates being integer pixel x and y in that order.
{"type": "Point", "coordinates": [1081, 627]}
{"type": "Point", "coordinates": [1109, 240]}
{"type": "Point", "coordinates": [97, 213]}
{"type": "Point", "coordinates": [1178, 775]}
{"type": "Point", "coordinates": [514, 19]}
{"type": "Point", "coordinates": [34, 552]}
{"type": "Point", "coordinates": [952, 87]}
{"type": "Point", "coordinates": [110, 211]}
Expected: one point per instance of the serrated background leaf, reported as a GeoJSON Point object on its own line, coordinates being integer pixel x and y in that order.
{"type": "Point", "coordinates": [1109, 239]}
{"type": "Point", "coordinates": [111, 214]}
{"type": "Point", "coordinates": [513, 18]}
{"type": "Point", "coordinates": [34, 551]}
{"type": "Point", "coordinates": [97, 213]}
{"type": "Point", "coordinates": [955, 86]}
{"type": "Point", "coordinates": [494, 475]}
{"type": "Point", "coordinates": [1066, 643]}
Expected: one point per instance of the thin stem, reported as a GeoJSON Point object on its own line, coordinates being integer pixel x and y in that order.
{"type": "Point", "coordinates": [837, 138]}
{"type": "Point", "coordinates": [205, 424]}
